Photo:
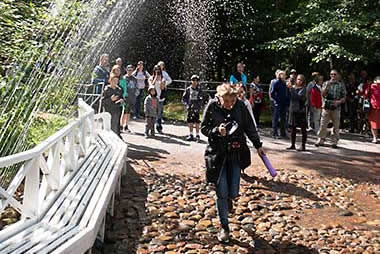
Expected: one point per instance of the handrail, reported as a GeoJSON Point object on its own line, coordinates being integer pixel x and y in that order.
{"type": "Point", "coordinates": [43, 146]}
{"type": "Point", "coordinates": [47, 167]}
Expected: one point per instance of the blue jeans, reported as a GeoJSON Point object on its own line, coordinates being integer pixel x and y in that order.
{"type": "Point", "coordinates": [139, 99]}
{"type": "Point", "coordinates": [279, 112]}
{"type": "Point", "coordinates": [159, 115]}
{"type": "Point", "coordinates": [227, 187]}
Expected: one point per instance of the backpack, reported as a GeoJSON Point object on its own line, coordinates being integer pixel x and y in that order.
{"type": "Point", "coordinates": [315, 97]}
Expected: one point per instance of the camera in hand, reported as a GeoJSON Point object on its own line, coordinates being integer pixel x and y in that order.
{"type": "Point", "coordinates": [233, 141]}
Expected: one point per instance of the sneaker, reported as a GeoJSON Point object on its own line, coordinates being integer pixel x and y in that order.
{"type": "Point", "coordinates": [374, 140]}
{"type": "Point", "coordinates": [190, 138]}
{"type": "Point", "coordinates": [224, 235]}
{"type": "Point", "coordinates": [198, 138]}
{"type": "Point", "coordinates": [146, 135]}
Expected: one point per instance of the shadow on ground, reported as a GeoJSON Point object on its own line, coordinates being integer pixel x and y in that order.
{"type": "Point", "coordinates": [141, 152]}
{"type": "Point", "coordinates": [281, 187]}
{"type": "Point", "coordinates": [130, 215]}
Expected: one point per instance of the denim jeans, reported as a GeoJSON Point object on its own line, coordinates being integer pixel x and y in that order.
{"type": "Point", "coordinates": [279, 112]}
{"type": "Point", "coordinates": [139, 99]}
{"type": "Point", "coordinates": [227, 187]}
{"type": "Point", "coordinates": [159, 115]}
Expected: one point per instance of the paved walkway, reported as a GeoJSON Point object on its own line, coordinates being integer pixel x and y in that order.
{"type": "Point", "coordinates": [323, 200]}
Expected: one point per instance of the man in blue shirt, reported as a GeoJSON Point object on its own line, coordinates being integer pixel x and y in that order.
{"type": "Point", "coordinates": [239, 76]}
{"type": "Point", "coordinates": [281, 100]}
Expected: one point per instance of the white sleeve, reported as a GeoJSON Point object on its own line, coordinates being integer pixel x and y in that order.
{"type": "Point", "coordinates": [167, 78]}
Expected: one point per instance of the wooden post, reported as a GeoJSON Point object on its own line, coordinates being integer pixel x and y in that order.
{"type": "Point", "coordinates": [31, 189]}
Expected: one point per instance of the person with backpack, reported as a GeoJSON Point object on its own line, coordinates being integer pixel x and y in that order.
{"type": "Point", "coordinates": [315, 102]}
{"type": "Point", "coordinates": [193, 100]}
{"type": "Point", "coordinates": [142, 77]}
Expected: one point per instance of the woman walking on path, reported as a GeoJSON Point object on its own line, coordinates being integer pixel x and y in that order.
{"type": "Point", "coordinates": [373, 94]}
{"type": "Point", "coordinates": [225, 123]}
{"type": "Point", "coordinates": [158, 81]}
{"type": "Point", "coordinates": [297, 111]}
{"type": "Point", "coordinates": [113, 99]}
{"type": "Point", "coordinates": [142, 77]}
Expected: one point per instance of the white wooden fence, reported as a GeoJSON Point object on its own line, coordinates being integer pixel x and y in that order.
{"type": "Point", "coordinates": [46, 168]}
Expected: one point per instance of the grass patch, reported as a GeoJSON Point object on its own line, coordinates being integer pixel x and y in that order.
{"type": "Point", "coordinates": [174, 111]}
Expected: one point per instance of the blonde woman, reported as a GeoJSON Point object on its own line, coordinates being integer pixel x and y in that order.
{"type": "Point", "coordinates": [226, 123]}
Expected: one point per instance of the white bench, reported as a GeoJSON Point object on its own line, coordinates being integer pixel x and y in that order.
{"type": "Point", "coordinates": [70, 218]}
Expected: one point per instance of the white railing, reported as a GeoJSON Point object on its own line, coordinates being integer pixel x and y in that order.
{"type": "Point", "coordinates": [46, 168]}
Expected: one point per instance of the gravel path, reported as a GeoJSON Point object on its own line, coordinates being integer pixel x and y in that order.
{"type": "Point", "coordinates": [323, 201]}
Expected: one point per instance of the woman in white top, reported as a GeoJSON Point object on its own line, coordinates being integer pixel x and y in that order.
{"type": "Point", "coordinates": [164, 73]}
{"type": "Point", "coordinates": [158, 81]}
{"type": "Point", "coordinates": [142, 76]}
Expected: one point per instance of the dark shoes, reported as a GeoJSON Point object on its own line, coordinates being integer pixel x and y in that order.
{"type": "Point", "coordinates": [292, 147]}
{"type": "Point", "coordinates": [224, 235]}
{"type": "Point", "coordinates": [198, 138]}
{"type": "Point", "coordinates": [190, 138]}
{"type": "Point", "coordinates": [334, 146]}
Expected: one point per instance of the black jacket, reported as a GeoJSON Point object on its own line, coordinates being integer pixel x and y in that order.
{"type": "Point", "coordinates": [217, 150]}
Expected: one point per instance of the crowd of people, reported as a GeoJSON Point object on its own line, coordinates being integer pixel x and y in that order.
{"type": "Point", "coordinates": [123, 90]}
{"type": "Point", "coordinates": [316, 105]}
{"type": "Point", "coordinates": [233, 115]}
{"type": "Point", "coordinates": [313, 106]}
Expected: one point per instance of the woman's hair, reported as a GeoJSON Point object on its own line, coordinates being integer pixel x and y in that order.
{"type": "Point", "coordinates": [156, 68]}
{"type": "Point", "coordinates": [141, 63]}
{"type": "Point", "coordinates": [303, 79]}
{"type": "Point", "coordinates": [114, 68]}
{"type": "Point", "coordinates": [226, 89]}
{"type": "Point", "coordinates": [112, 77]}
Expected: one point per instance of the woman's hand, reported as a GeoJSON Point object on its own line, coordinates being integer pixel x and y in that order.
{"type": "Point", "coordinates": [260, 151]}
{"type": "Point", "coordinates": [222, 130]}
{"type": "Point", "coordinates": [114, 98]}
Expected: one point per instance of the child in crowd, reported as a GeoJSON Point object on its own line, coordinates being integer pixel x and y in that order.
{"type": "Point", "coordinates": [193, 100]}
{"type": "Point", "coordinates": [151, 111]}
